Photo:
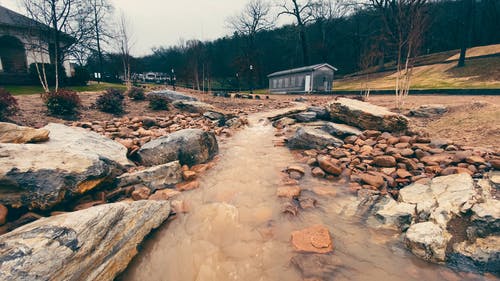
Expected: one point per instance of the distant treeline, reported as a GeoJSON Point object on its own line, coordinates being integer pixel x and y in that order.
{"type": "Point", "coordinates": [350, 43]}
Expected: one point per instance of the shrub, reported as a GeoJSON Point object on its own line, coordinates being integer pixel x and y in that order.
{"type": "Point", "coordinates": [81, 76]}
{"type": "Point", "coordinates": [50, 72]}
{"type": "Point", "coordinates": [136, 93]}
{"type": "Point", "coordinates": [158, 102]}
{"type": "Point", "coordinates": [62, 102]}
{"type": "Point", "coordinates": [8, 104]}
{"type": "Point", "coordinates": [111, 102]}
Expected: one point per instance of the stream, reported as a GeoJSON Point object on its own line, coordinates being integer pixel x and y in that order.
{"type": "Point", "coordinates": [235, 228]}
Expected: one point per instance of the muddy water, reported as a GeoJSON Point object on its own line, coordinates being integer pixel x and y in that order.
{"type": "Point", "coordinates": [236, 230]}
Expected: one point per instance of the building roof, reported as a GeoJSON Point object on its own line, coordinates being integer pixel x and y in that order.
{"type": "Point", "coordinates": [302, 69]}
{"type": "Point", "coordinates": [11, 18]}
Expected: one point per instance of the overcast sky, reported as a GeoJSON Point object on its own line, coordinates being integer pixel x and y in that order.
{"type": "Point", "coordinates": [158, 23]}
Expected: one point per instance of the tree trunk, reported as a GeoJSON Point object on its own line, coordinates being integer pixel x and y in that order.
{"type": "Point", "coordinates": [98, 39]}
{"type": "Point", "coordinates": [56, 43]}
{"type": "Point", "coordinates": [467, 27]}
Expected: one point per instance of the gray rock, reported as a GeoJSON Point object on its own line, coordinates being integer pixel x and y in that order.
{"type": "Point", "coordinates": [157, 177]}
{"type": "Point", "coordinates": [286, 112]}
{"type": "Point", "coordinates": [213, 115]}
{"type": "Point", "coordinates": [73, 162]}
{"type": "Point", "coordinates": [366, 116]}
{"type": "Point", "coordinates": [310, 138]}
{"type": "Point", "coordinates": [486, 217]}
{"type": "Point", "coordinates": [340, 130]}
{"type": "Point", "coordinates": [428, 110]}
{"type": "Point", "coordinates": [189, 147]}
{"type": "Point", "coordinates": [421, 195]}
{"type": "Point", "coordinates": [93, 244]}
{"type": "Point", "coordinates": [196, 107]}
{"type": "Point", "coordinates": [172, 95]}
{"type": "Point", "coordinates": [483, 255]}
{"type": "Point", "coordinates": [428, 241]}
{"type": "Point", "coordinates": [321, 112]}
{"type": "Point", "coordinates": [395, 215]}
{"type": "Point", "coordinates": [283, 122]}
{"type": "Point", "coordinates": [305, 116]}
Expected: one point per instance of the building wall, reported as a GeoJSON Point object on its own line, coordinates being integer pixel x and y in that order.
{"type": "Point", "coordinates": [33, 55]}
{"type": "Point", "coordinates": [295, 83]}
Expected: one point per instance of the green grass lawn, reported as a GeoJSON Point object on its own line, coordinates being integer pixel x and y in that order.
{"type": "Point", "coordinates": [32, 90]}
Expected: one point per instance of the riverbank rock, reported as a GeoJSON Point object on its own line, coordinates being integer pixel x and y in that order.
{"type": "Point", "coordinates": [340, 130]}
{"type": "Point", "coordinates": [428, 241]}
{"type": "Point", "coordinates": [428, 110]}
{"type": "Point", "coordinates": [366, 116]}
{"type": "Point", "coordinates": [306, 116]}
{"type": "Point", "coordinates": [11, 133]}
{"type": "Point", "coordinates": [171, 95]}
{"type": "Point", "coordinates": [321, 112]}
{"type": "Point", "coordinates": [73, 162]}
{"type": "Point", "coordinates": [483, 255]}
{"type": "Point", "coordinates": [157, 177]}
{"type": "Point", "coordinates": [92, 244]}
{"type": "Point", "coordinates": [286, 112]}
{"type": "Point", "coordinates": [394, 214]}
{"type": "Point", "coordinates": [315, 239]}
{"type": "Point", "coordinates": [189, 147]}
{"type": "Point", "coordinates": [310, 138]}
{"type": "Point", "coordinates": [200, 107]}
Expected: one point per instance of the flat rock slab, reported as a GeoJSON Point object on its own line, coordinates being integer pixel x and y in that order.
{"type": "Point", "coordinates": [482, 255]}
{"type": "Point", "coordinates": [200, 107]}
{"type": "Point", "coordinates": [311, 138]}
{"type": "Point", "coordinates": [428, 110]}
{"type": "Point", "coordinates": [366, 116]}
{"type": "Point", "coordinates": [315, 239]}
{"type": "Point", "coordinates": [340, 130]}
{"type": "Point", "coordinates": [11, 133]}
{"type": "Point", "coordinates": [157, 177]}
{"type": "Point", "coordinates": [189, 147]}
{"type": "Point", "coordinates": [428, 241]}
{"type": "Point", "coordinates": [286, 112]}
{"type": "Point", "coordinates": [73, 162]}
{"type": "Point", "coordinates": [93, 244]}
{"type": "Point", "coordinates": [172, 95]}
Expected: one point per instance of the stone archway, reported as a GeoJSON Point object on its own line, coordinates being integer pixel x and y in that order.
{"type": "Point", "coordinates": [12, 55]}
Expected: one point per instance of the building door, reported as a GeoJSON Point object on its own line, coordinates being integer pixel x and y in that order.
{"type": "Point", "coordinates": [307, 87]}
{"type": "Point", "coordinates": [13, 55]}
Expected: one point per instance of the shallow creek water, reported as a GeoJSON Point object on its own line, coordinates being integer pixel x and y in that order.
{"type": "Point", "coordinates": [235, 228]}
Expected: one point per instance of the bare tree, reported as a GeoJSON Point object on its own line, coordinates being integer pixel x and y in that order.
{"type": "Point", "coordinates": [303, 12]}
{"type": "Point", "coordinates": [466, 21]}
{"type": "Point", "coordinates": [125, 43]}
{"type": "Point", "coordinates": [405, 22]}
{"type": "Point", "coordinates": [101, 11]}
{"type": "Point", "coordinates": [62, 28]}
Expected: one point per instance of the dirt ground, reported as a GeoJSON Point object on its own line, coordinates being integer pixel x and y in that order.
{"type": "Point", "coordinates": [470, 120]}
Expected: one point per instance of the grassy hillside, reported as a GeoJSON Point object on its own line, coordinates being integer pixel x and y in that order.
{"type": "Point", "coordinates": [439, 73]}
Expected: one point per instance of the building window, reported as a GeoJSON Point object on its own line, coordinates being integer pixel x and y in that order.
{"type": "Point", "coordinates": [280, 84]}
{"type": "Point", "coordinates": [293, 81]}
{"type": "Point", "coordinates": [275, 83]}
{"type": "Point", "coordinates": [286, 82]}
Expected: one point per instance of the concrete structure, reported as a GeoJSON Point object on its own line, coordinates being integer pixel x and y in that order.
{"type": "Point", "coordinates": [22, 42]}
{"type": "Point", "coordinates": [309, 79]}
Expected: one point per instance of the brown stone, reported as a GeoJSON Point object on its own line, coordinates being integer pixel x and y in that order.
{"type": "Point", "coordinates": [288, 191]}
{"type": "Point", "coordinates": [188, 175]}
{"type": "Point", "coordinates": [495, 163]}
{"type": "Point", "coordinates": [384, 161]}
{"type": "Point", "coordinates": [443, 158]}
{"type": "Point", "coordinates": [403, 173]}
{"type": "Point", "coordinates": [295, 168]}
{"type": "Point", "coordinates": [164, 194]}
{"type": "Point", "coordinates": [329, 166]}
{"type": "Point", "coordinates": [315, 239]}
{"type": "Point", "coordinates": [318, 172]}
{"type": "Point", "coordinates": [141, 193]}
{"type": "Point", "coordinates": [455, 170]}
{"type": "Point", "coordinates": [402, 145]}
{"type": "Point", "coordinates": [3, 214]}
{"type": "Point", "coordinates": [190, 185]}
{"type": "Point", "coordinates": [11, 133]}
{"type": "Point", "coordinates": [373, 180]}
{"type": "Point", "coordinates": [476, 160]}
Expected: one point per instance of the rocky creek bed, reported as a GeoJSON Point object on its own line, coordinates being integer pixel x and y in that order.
{"type": "Point", "coordinates": [358, 181]}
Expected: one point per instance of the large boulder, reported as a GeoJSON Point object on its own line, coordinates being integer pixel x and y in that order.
{"type": "Point", "coordinates": [428, 241]}
{"type": "Point", "coordinates": [306, 116]}
{"type": "Point", "coordinates": [366, 116]}
{"type": "Point", "coordinates": [286, 112]}
{"type": "Point", "coordinates": [171, 95]}
{"type": "Point", "coordinates": [321, 112]}
{"type": "Point", "coordinates": [394, 214]}
{"type": "Point", "coordinates": [73, 162]}
{"type": "Point", "coordinates": [157, 177]}
{"type": "Point", "coordinates": [310, 138]}
{"type": "Point", "coordinates": [197, 107]}
{"type": "Point", "coordinates": [11, 133]}
{"type": "Point", "coordinates": [189, 147]}
{"type": "Point", "coordinates": [93, 244]}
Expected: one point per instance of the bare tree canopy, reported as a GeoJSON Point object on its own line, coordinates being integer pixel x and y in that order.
{"type": "Point", "coordinates": [254, 18]}
{"type": "Point", "coordinates": [124, 41]}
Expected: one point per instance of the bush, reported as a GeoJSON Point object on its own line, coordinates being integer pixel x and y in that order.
{"type": "Point", "coordinates": [111, 102]}
{"type": "Point", "coordinates": [8, 104]}
{"type": "Point", "coordinates": [158, 103]}
{"type": "Point", "coordinates": [50, 72]}
{"type": "Point", "coordinates": [81, 77]}
{"type": "Point", "coordinates": [62, 102]}
{"type": "Point", "coordinates": [136, 93]}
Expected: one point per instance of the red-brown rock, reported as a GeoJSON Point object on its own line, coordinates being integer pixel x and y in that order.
{"type": "Point", "coordinates": [374, 180]}
{"type": "Point", "coordinates": [288, 191]}
{"type": "Point", "coordinates": [329, 166]}
{"type": "Point", "coordinates": [184, 186]}
{"type": "Point", "coordinates": [141, 193]}
{"type": "Point", "coordinates": [315, 239]}
{"type": "Point", "coordinates": [384, 161]}
{"type": "Point", "coordinates": [318, 172]}
{"type": "Point", "coordinates": [164, 194]}
{"type": "Point", "coordinates": [3, 214]}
